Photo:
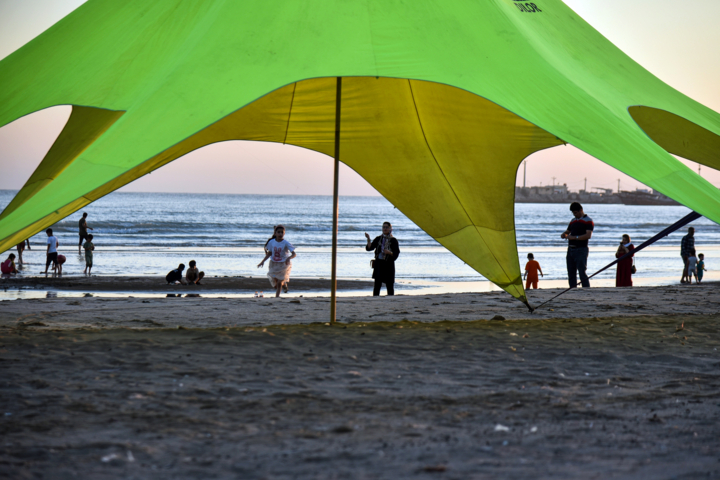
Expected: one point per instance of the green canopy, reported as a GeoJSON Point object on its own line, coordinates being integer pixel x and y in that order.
{"type": "Point", "coordinates": [441, 102]}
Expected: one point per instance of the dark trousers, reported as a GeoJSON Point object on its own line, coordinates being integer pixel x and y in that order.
{"type": "Point", "coordinates": [51, 258]}
{"type": "Point", "coordinates": [577, 262]}
{"type": "Point", "coordinates": [388, 284]}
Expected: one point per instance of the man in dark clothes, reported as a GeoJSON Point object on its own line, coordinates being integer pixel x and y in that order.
{"type": "Point", "coordinates": [176, 275]}
{"type": "Point", "coordinates": [387, 251]}
{"type": "Point", "coordinates": [83, 230]}
{"type": "Point", "coordinates": [577, 234]}
{"type": "Point", "coordinates": [686, 246]}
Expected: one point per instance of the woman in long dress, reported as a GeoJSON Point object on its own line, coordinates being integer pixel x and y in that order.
{"type": "Point", "coordinates": [623, 277]}
{"type": "Point", "coordinates": [280, 252]}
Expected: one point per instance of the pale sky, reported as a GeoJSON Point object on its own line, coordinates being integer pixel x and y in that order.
{"type": "Point", "coordinates": [675, 40]}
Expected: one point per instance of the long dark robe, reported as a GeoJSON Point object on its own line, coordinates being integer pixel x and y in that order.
{"type": "Point", "coordinates": [623, 277]}
{"type": "Point", "coordinates": [384, 269]}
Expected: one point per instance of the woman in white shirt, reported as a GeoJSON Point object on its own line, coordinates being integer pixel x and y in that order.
{"type": "Point", "coordinates": [280, 252]}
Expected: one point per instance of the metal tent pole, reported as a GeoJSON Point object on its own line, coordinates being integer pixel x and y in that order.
{"type": "Point", "coordinates": [336, 177]}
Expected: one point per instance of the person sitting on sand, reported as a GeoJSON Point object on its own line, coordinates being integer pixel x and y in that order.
{"type": "Point", "coordinates": [700, 267]}
{"type": "Point", "coordinates": [89, 247]}
{"type": "Point", "coordinates": [193, 275]}
{"type": "Point", "coordinates": [280, 252]}
{"type": "Point", "coordinates": [623, 276]}
{"type": "Point", "coordinates": [532, 267]}
{"type": "Point", "coordinates": [176, 275]}
{"type": "Point", "coordinates": [692, 266]}
{"type": "Point", "coordinates": [21, 248]}
{"type": "Point", "coordinates": [8, 266]}
{"type": "Point", "coordinates": [52, 254]}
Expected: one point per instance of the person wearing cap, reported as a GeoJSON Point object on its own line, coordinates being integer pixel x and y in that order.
{"type": "Point", "coordinates": [578, 233]}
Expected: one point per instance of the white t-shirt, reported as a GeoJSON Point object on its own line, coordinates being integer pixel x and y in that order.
{"type": "Point", "coordinates": [52, 241]}
{"type": "Point", "coordinates": [279, 251]}
{"type": "Point", "coordinates": [692, 265]}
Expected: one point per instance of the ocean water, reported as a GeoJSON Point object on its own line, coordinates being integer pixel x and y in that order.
{"type": "Point", "coordinates": [150, 233]}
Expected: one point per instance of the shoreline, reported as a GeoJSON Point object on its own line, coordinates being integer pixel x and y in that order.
{"type": "Point", "coordinates": [192, 311]}
{"type": "Point", "coordinates": [73, 285]}
{"type": "Point", "coordinates": [158, 284]}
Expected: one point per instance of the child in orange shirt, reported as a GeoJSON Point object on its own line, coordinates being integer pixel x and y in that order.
{"type": "Point", "coordinates": [531, 272]}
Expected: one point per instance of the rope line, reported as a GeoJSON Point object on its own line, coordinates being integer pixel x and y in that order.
{"type": "Point", "coordinates": [679, 224]}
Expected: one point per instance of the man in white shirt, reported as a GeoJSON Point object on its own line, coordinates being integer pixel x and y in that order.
{"type": "Point", "coordinates": [52, 246]}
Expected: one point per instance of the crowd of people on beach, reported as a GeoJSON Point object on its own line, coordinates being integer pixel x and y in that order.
{"type": "Point", "coordinates": [579, 232]}
{"type": "Point", "coordinates": [280, 252]}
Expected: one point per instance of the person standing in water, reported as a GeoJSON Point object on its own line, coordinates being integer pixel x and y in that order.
{"type": "Point", "coordinates": [21, 248]}
{"type": "Point", "coordinates": [82, 231]}
{"type": "Point", "coordinates": [387, 251]}
{"type": "Point", "coordinates": [89, 248]}
{"type": "Point", "coordinates": [578, 233]}
{"type": "Point", "coordinates": [52, 253]}
{"type": "Point", "coordinates": [280, 252]}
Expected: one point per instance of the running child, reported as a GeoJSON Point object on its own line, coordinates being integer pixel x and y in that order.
{"type": "Point", "coordinates": [532, 267]}
{"type": "Point", "coordinates": [282, 252]}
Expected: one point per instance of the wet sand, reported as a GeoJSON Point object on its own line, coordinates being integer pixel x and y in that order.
{"type": "Point", "coordinates": [612, 383]}
{"type": "Point", "coordinates": [158, 284]}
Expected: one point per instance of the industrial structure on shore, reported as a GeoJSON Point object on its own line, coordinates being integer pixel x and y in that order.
{"type": "Point", "coordinates": [561, 194]}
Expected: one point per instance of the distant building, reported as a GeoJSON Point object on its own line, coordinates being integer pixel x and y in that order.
{"type": "Point", "coordinates": [561, 194]}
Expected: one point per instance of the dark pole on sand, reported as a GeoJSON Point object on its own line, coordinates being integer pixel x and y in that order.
{"type": "Point", "coordinates": [336, 178]}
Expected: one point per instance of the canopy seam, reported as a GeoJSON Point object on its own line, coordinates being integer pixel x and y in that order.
{"type": "Point", "coordinates": [417, 113]}
{"type": "Point", "coordinates": [292, 102]}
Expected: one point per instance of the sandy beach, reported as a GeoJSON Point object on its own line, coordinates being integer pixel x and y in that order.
{"type": "Point", "coordinates": [603, 383]}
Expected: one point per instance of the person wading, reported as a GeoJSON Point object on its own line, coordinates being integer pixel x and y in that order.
{"type": "Point", "coordinates": [83, 230]}
{"type": "Point", "coordinates": [387, 251]}
{"type": "Point", "coordinates": [578, 233]}
{"type": "Point", "coordinates": [21, 248]}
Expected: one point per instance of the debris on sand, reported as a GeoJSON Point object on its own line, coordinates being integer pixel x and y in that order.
{"type": "Point", "coordinates": [655, 419]}
{"type": "Point", "coordinates": [342, 429]}
{"type": "Point", "coordinates": [435, 468]}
